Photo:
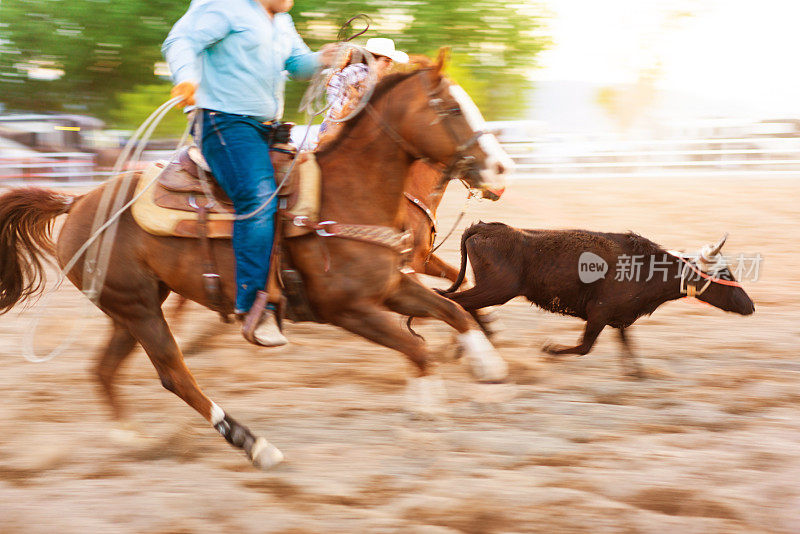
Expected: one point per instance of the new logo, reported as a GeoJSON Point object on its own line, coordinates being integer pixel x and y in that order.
{"type": "Point", "coordinates": [591, 267]}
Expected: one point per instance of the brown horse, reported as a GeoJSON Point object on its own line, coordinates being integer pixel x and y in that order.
{"type": "Point", "coordinates": [352, 284]}
{"type": "Point", "coordinates": [424, 192]}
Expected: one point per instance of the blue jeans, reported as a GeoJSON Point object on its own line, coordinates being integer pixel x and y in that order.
{"type": "Point", "coordinates": [236, 148]}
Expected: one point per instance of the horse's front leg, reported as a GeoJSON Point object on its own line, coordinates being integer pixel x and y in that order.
{"type": "Point", "coordinates": [425, 391]}
{"type": "Point", "coordinates": [436, 266]}
{"type": "Point", "coordinates": [415, 300]}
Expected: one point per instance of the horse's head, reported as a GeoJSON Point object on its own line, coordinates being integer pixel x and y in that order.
{"type": "Point", "coordinates": [442, 123]}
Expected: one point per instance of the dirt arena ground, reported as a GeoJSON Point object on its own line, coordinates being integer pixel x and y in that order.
{"type": "Point", "coordinates": [709, 443]}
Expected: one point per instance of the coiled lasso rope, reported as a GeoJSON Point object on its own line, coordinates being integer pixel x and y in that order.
{"type": "Point", "coordinates": [96, 263]}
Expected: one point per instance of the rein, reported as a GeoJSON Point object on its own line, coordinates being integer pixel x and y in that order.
{"type": "Point", "coordinates": [459, 160]}
{"type": "Point", "coordinates": [432, 219]}
{"type": "Point", "coordinates": [470, 195]}
{"type": "Point", "coordinates": [396, 137]}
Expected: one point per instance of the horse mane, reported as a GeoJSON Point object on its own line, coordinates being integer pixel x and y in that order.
{"type": "Point", "coordinates": [381, 88]}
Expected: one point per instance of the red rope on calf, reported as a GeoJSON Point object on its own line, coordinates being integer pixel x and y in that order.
{"type": "Point", "coordinates": [707, 277]}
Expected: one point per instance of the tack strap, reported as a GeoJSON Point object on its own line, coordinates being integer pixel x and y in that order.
{"type": "Point", "coordinates": [690, 290]}
{"type": "Point", "coordinates": [425, 209]}
{"type": "Point", "coordinates": [211, 278]}
{"type": "Point", "coordinates": [385, 236]}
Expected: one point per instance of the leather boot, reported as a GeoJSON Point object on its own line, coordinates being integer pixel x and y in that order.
{"type": "Point", "coordinates": [267, 333]}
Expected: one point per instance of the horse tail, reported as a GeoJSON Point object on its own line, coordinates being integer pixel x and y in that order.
{"type": "Point", "coordinates": [463, 271]}
{"type": "Point", "coordinates": [26, 222]}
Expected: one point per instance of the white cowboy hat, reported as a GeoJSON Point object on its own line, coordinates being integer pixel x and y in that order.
{"type": "Point", "coordinates": [381, 46]}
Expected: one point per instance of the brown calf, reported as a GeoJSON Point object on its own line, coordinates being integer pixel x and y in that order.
{"type": "Point", "coordinates": [591, 275]}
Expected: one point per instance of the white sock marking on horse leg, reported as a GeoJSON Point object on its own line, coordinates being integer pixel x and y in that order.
{"type": "Point", "coordinates": [217, 414]}
{"type": "Point", "coordinates": [486, 363]}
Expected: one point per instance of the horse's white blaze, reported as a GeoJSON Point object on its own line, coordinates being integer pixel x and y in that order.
{"type": "Point", "coordinates": [217, 414]}
{"type": "Point", "coordinates": [489, 143]}
{"type": "Point", "coordinates": [486, 363]}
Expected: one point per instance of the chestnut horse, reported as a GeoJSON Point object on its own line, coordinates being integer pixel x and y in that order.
{"type": "Point", "coordinates": [424, 193]}
{"type": "Point", "coordinates": [355, 285]}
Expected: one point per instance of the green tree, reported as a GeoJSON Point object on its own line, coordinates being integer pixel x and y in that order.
{"type": "Point", "coordinates": [103, 47]}
{"type": "Point", "coordinates": [107, 49]}
{"type": "Point", "coordinates": [494, 42]}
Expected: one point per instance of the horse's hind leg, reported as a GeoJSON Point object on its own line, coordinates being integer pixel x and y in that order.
{"type": "Point", "coordinates": [152, 332]}
{"type": "Point", "coordinates": [120, 346]}
{"type": "Point", "coordinates": [425, 392]}
{"type": "Point", "coordinates": [415, 300]}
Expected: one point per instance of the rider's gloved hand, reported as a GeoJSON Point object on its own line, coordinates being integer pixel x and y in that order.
{"type": "Point", "coordinates": [185, 90]}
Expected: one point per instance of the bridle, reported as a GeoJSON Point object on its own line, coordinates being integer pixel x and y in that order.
{"type": "Point", "coordinates": [461, 161]}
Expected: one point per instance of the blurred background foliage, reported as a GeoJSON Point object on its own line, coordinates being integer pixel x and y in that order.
{"type": "Point", "coordinates": [100, 54]}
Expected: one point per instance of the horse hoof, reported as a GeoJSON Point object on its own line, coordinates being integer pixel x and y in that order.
{"type": "Point", "coordinates": [485, 363]}
{"type": "Point", "coordinates": [489, 369]}
{"type": "Point", "coordinates": [264, 454]}
{"type": "Point", "coordinates": [426, 397]}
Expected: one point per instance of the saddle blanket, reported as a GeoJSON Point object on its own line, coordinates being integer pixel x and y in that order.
{"type": "Point", "coordinates": [152, 211]}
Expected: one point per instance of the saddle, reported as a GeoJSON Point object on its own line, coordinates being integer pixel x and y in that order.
{"type": "Point", "coordinates": [181, 198]}
{"type": "Point", "coordinates": [186, 190]}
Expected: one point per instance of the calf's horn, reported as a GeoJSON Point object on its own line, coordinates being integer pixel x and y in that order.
{"type": "Point", "coordinates": [709, 252]}
{"type": "Point", "coordinates": [718, 246]}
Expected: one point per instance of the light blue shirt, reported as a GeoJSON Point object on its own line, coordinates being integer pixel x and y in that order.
{"type": "Point", "coordinates": [238, 56]}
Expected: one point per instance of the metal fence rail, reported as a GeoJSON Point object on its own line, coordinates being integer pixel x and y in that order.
{"type": "Point", "coordinates": [578, 157]}
{"type": "Point", "coordinates": [535, 157]}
